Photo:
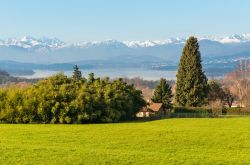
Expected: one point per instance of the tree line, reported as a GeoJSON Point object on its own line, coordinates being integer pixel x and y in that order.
{"type": "Point", "coordinates": [62, 99]}
{"type": "Point", "coordinates": [192, 88]}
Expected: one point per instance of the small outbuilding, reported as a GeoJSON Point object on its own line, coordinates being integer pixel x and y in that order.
{"type": "Point", "coordinates": [151, 109]}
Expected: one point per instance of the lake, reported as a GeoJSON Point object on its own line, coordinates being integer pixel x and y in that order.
{"type": "Point", "coordinates": [146, 74]}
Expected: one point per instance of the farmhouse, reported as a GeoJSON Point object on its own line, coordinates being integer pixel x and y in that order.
{"type": "Point", "coordinates": [151, 109]}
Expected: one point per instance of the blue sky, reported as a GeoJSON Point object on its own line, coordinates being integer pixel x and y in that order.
{"type": "Point", "coordinates": [88, 20]}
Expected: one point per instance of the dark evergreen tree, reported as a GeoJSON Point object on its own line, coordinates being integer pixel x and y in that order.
{"type": "Point", "coordinates": [191, 85]}
{"type": "Point", "coordinates": [215, 91]}
{"type": "Point", "coordinates": [163, 94]}
{"type": "Point", "coordinates": [91, 78]}
{"type": "Point", "coordinates": [77, 74]}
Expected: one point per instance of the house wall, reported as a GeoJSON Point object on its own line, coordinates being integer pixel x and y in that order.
{"type": "Point", "coordinates": [142, 114]}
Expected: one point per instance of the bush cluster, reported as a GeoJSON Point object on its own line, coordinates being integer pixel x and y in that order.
{"type": "Point", "coordinates": [61, 99]}
{"type": "Point", "coordinates": [236, 110]}
{"type": "Point", "coordinates": [192, 110]}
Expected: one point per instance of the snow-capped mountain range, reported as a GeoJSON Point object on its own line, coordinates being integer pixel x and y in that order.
{"type": "Point", "coordinates": [28, 42]}
{"type": "Point", "coordinates": [222, 52]}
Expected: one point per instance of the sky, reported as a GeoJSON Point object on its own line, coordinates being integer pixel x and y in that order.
{"type": "Point", "coordinates": [91, 20]}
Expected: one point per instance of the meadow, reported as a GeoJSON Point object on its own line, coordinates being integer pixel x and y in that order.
{"type": "Point", "coordinates": [169, 141]}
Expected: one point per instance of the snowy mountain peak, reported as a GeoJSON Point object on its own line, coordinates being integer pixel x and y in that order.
{"type": "Point", "coordinates": [236, 38]}
{"type": "Point", "coordinates": [149, 43]}
{"type": "Point", "coordinates": [30, 42]}
{"type": "Point", "coordinates": [26, 38]}
{"type": "Point", "coordinates": [45, 43]}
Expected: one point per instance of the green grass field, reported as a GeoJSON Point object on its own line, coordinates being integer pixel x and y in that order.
{"type": "Point", "coordinates": [170, 141]}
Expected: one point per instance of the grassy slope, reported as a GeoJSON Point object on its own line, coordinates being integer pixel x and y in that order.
{"type": "Point", "coordinates": [178, 141]}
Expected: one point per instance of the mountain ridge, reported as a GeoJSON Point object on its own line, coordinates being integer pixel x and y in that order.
{"type": "Point", "coordinates": [113, 53]}
{"type": "Point", "coordinates": [54, 43]}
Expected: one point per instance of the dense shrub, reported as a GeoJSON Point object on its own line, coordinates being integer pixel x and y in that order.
{"type": "Point", "coordinates": [60, 99]}
{"type": "Point", "coordinates": [192, 110]}
{"type": "Point", "coordinates": [236, 110]}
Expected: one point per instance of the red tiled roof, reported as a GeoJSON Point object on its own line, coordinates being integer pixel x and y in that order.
{"type": "Point", "coordinates": [155, 106]}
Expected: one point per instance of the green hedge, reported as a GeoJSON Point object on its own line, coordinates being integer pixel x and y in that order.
{"type": "Point", "coordinates": [236, 110]}
{"type": "Point", "coordinates": [232, 110]}
{"type": "Point", "coordinates": [192, 110]}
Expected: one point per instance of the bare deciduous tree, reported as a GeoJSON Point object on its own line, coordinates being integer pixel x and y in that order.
{"type": "Point", "coordinates": [238, 82]}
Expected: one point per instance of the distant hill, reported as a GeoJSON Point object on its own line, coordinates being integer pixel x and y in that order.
{"type": "Point", "coordinates": [6, 78]}
{"type": "Point", "coordinates": [21, 68]}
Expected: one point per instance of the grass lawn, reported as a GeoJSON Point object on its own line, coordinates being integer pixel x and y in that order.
{"type": "Point", "coordinates": [170, 141]}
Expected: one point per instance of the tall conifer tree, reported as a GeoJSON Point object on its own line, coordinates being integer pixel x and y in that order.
{"type": "Point", "coordinates": [191, 85]}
